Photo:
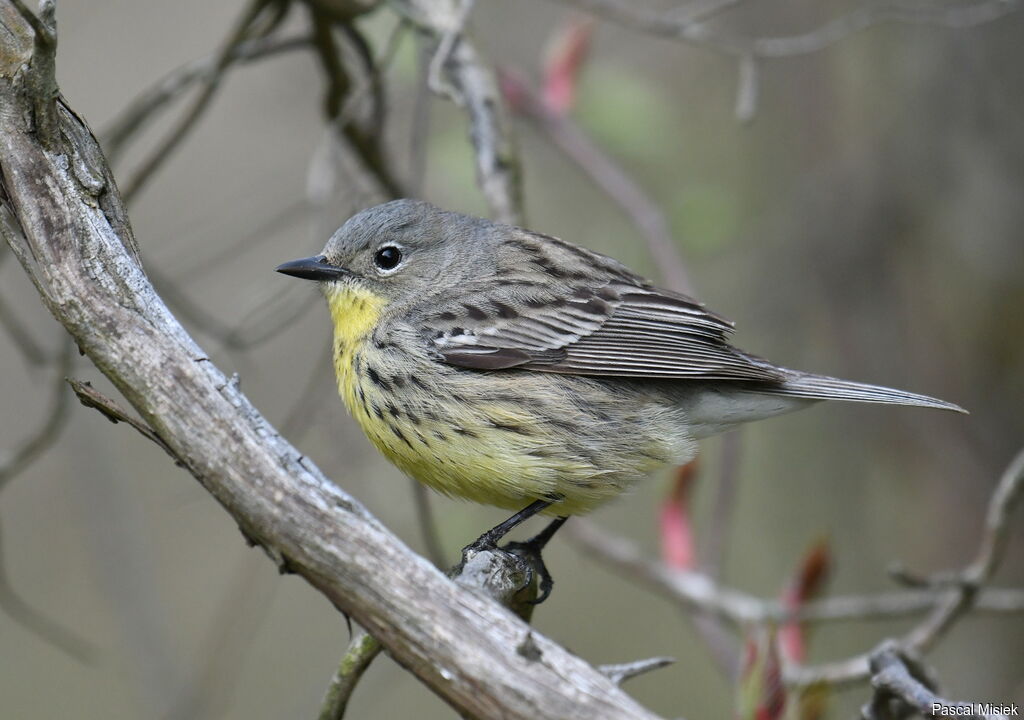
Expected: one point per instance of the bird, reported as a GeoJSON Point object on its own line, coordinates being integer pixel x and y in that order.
{"type": "Point", "coordinates": [512, 368]}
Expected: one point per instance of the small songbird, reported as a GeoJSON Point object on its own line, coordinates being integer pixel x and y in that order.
{"type": "Point", "coordinates": [515, 369]}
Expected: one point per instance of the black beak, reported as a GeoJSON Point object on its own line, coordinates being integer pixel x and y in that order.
{"type": "Point", "coordinates": [312, 268]}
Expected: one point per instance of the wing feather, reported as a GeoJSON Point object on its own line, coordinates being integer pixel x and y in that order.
{"type": "Point", "coordinates": [591, 316]}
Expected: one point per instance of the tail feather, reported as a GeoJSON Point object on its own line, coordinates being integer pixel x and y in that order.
{"type": "Point", "coordinates": [822, 387]}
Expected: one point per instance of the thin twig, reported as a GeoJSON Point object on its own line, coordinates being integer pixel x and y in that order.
{"type": "Point", "coordinates": [93, 398]}
{"type": "Point", "coordinates": [622, 672]}
{"type": "Point", "coordinates": [896, 681]}
{"type": "Point", "coordinates": [40, 625]}
{"type": "Point", "coordinates": [214, 257]}
{"type": "Point", "coordinates": [694, 31]}
{"type": "Point", "coordinates": [362, 649]}
{"type": "Point", "coordinates": [10, 602]}
{"type": "Point", "coordinates": [302, 414]}
{"type": "Point", "coordinates": [374, 68]}
{"type": "Point", "coordinates": [267, 318]}
{"type": "Point", "coordinates": [51, 428]}
{"type": "Point", "coordinates": [364, 141]}
{"type": "Point", "coordinates": [428, 524]}
{"type": "Point", "coordinates": [497, 162]}
{"type": "Point", "coordinates": [231, 631]}
{"type": "Point", "coordinates": [261, 323]}
{"type": "Point", "coordinates": [436, 80]}
{"type": "Point", "coordinates": [420, 129]}
{"type": "Point", "coordinates": [32, 352]}
{"type": "Point", "coordinates": [187, 308]}
{"type": "Point", "coordinates": [747, 88]}
{"type": "Point", "coordinates": [713, 546]}
{"type": "Point", "coordinates": [963, 595]}
{"type": "Point", "coordinates": [42, 69]}
{"type": "Point", "coordinates": [620, 188]}
{"type": "Point", "coordinates": [245, 30]}
{"type": "Point", "coordinates": [134, 117]}
{"type": "Point", "coordinates": [43, 29]}
{"type": "Point", "coordinates": [951, 603]}
{"type": "Point", "coordinates": [697, 591]}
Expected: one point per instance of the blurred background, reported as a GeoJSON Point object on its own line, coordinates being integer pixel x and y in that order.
{"type": "Point", "coordinates": [864, 221]}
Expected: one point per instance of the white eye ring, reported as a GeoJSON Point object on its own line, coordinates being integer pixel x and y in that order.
{"type": "Point", "coordinates": [387, 259]}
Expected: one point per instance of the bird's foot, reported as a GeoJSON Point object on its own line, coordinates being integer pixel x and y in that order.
{"type": "Point", "coordinates": [526, 555]}
{"type": "Point", "coordinates": [530, 551]}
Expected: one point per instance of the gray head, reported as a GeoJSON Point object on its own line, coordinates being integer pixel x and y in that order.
{"type": "Point", "coordinates": [402, 249]}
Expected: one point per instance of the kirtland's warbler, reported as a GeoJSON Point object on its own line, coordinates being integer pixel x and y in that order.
{"type": "Point", "coordinates": [515, 369]}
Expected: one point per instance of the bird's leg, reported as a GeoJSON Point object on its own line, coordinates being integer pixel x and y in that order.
{"type": "Point", "coordinates": [490, 538]}
{"type": "Point", "coordinates": [531, 549]}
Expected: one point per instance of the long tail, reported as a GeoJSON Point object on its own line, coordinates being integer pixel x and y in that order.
{"type": "Point", "coordinates": [822, 387]}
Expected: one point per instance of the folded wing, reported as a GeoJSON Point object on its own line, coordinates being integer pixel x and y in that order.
{"type": "Point", "coordinates": [591, 317]}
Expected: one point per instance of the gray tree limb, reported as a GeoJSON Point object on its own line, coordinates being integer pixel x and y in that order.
{"type": "Point", "coordinates": [76, 244]}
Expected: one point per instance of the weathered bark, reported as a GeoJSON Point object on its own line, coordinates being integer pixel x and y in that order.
{"type": "Point", "coordinates": [78, 247]}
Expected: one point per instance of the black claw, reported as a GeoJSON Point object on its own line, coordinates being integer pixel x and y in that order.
{"type": "Point", "coordinates": [534, 559]}
{"type": "Point", "coordinates": [531, 550]}
{"type": "Point", "coordinates": [528, 552]}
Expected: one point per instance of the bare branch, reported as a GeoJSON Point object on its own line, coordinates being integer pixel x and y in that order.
{"type": "Point", "coordinates": [42, 69]}
{"type": "Point", "coordinates": [48, 630]}
{"type": "Point", "coordinates": [420, 130]}
{"type": "Point", "coordinates": [261, 323]}
{"type": "Point", "coordinates": [134, 117]}
{"type": "Point", "coordinates": [247, 29]}
{"type": "Point", "coordinates": [691, 28]}
{"type": "Point", "coordinates": [427, 523]}
{"type": "Point", "coordinates": [231, 631]}
{"type": "Point", "coordinates": [609, 177]}
{"type": "Point", "coordinates": [49, 432]}
{"type": "Point", "coordinates": [435, 79]}
{"type": "Point", "coordinates": [696, 591]}
{"type": "Point", "coordinates": [364, 142]}
{"type": "Point", "coordinates": [622, 672]}
{"type": "Point", "coordinates": [362, 649]}
{"type": "Point", "coordinates": [38, 443]}
{"type": "Point", "coordinates": [303, 411]}
{"type": "Point", "coordinates": [963, 595]}
{"type": "Point", "coordinates": [693, 590]}
{"type": "Point", "coordinates": [20, 335]}
{"type": "Point", "coordinates": [897, 682]}
{"type": "Point", "coordinates": [497, 163]}
{"type": "Point", "coordinates": [713, 546]}
{"type": "Point", "coordinates": [952, 598]}
{"type": "Point", "coordinates": [93, 398]}
{"type": "Point", "coordinates": [461, 644]}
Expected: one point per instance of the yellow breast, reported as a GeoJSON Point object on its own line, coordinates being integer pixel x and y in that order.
{"type": "Point", "coordinates": [355, 312]}
{"type": "Point", "coordinates": [449, 446]}
{"type": "Point", "coordinates": [461, 434]}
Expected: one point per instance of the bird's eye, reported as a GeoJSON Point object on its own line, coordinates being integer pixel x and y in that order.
{"type": "Point", "coordinates": [387, 258]}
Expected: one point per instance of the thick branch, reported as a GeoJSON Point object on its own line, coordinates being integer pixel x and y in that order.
{"type": "Point", "coordinates": [78, 249]}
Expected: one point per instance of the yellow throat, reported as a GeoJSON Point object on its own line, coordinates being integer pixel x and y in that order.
{"type": "Point", "coordinates": [354, 312]}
